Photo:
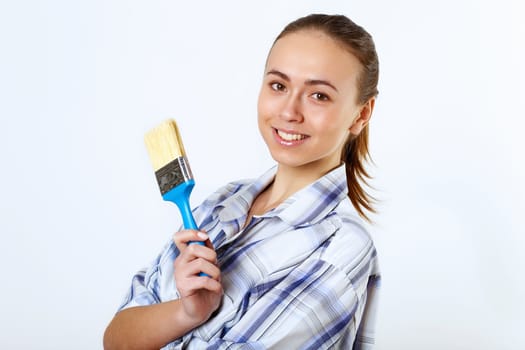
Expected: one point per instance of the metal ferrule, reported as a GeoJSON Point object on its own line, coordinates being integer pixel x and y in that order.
{"type": "Point", "coordinates": [173, 174]}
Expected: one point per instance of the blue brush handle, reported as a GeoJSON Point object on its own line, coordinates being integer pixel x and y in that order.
{"type": "Point", "coordinates": [180, 195]}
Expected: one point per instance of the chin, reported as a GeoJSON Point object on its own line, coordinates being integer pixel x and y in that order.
{"type": "Point", "coordinates": [286, 160]}
{"type": "Point", "coordinates": [290, 160]}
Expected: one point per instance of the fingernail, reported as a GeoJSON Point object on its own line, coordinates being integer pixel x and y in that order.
{"type": "Point", "coordinates": [202, 235]}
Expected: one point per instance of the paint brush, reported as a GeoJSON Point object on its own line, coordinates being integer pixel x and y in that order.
{"type": "Point", "coordinates": [172, 169]}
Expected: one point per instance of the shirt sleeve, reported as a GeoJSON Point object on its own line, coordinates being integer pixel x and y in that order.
{"type": "Point", "coordinates": [365, 338]}
{"type": "Point", "coordinates": [151, 285]}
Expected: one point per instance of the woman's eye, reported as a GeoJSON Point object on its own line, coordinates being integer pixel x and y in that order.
{"type": "Point", "coordinates": [320, 96]}
{"type": "Point", "coordinates": [277, 86]}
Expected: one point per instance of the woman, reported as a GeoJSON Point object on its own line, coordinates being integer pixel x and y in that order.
{"type": "Point", "coordinates": [289, 264]}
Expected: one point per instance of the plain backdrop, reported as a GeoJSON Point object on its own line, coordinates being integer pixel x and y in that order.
{"type": "Point", "coordinates": [80, 211]}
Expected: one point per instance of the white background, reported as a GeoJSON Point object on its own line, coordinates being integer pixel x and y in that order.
{"type": "Point", "coordinates": [80, 212]}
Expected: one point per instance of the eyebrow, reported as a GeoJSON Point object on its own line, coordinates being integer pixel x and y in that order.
{"type": "Point", "coordinates": [307, 82]}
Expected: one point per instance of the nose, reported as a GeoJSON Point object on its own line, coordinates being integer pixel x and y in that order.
{"type": "Point", "coordinates": [292, 109]}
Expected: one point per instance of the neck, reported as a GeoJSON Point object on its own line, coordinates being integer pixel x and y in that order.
{"type": "Point", "coordinates": [289, 180]}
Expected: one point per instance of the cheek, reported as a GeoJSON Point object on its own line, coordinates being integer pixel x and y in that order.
{"type": "Point", "coordinates": [262, 111]}
{"type": "Point", "coordinates": [334, 127]}
{"type": "Point", "coordinates": [332, 119]}
{"type": "Point", "coordinates": [265, 105]}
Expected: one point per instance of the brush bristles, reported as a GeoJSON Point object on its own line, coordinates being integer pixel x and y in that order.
{"type": "Point", "coordinates": [164, 144]}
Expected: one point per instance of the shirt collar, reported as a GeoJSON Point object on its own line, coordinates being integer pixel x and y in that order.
{"type": "Point", "coordinates": [233, 211]}
{"type": "Point", "coordinates": [305, 207]}
{"type": "Point", "coordinates": [313, 203]}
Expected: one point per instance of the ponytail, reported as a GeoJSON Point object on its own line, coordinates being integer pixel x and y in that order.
{"type": "Point", "coordinates": [355, 155]}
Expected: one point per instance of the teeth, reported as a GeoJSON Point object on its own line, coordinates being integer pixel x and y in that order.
{"type": "Point", "coordinates": [290, 137]}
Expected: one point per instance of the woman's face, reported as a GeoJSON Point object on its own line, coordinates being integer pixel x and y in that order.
{"type": "Point", "coordinates": [307, 104]}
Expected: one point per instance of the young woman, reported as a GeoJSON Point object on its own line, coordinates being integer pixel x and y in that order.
{"type": "Point", "coordinates": [289, 264]}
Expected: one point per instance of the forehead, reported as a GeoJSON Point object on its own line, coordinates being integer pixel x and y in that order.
{"type": "Point", "coordinates": [313, 54]}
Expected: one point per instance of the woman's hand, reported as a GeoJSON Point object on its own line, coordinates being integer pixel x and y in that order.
{"type": "Point", "coordinates": [200, 295]}
{"type": "Point", "coordinates": [153, 326]}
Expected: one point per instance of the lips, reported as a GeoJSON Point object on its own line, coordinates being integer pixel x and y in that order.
{"type": "Point", "coordinates": [288, 137]}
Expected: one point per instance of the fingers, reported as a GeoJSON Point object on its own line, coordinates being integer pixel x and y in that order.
{"type": "Point", "coordinates": [189, 265]}
{"type": "Point", "coordinates": [184, 237]}
{"type": "Point", "coordinates": [190, 283]}
{"type": "Point", "coordinates": [188, 268]}
{"type": "Point", "coordinates": [194, 259]}
{"type": "Point", "coordinates": [210, 284]}
{"type": "Point", "coordinates": [195, 251]}
{"type": "Point", "coordinates": [188, 251]}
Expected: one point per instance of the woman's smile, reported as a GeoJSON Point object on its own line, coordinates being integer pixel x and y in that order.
{"type": "Point", "coordinates": [289, 138]}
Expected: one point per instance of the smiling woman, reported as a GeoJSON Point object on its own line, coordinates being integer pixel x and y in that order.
{"type": "Point", "coordinates": [289, 263]}
{"type": "Point", "coordinates": [308, 104]}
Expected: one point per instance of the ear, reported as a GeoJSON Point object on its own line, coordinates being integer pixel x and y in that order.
{"type": "Point", "coordinates": [362, 119]}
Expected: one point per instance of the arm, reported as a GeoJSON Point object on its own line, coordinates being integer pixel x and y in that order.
{"type": "Point", "coordinates": [153, 326]}
{"type": "Point", "coordinates": [148, 327]}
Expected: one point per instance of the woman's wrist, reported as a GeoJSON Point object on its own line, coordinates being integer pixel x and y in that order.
{"type": "Point", "coordinates": [182, 320]}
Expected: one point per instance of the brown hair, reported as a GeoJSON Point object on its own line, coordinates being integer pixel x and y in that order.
{"type": "Point", "coordinates": [360, 44]}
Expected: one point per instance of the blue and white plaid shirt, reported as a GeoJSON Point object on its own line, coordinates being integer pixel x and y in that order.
{"type": "Point", "coordinates": [302, 276]}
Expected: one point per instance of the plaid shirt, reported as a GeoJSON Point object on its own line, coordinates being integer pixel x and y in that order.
{"type": "Point", "coordinates": [302, 276]}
